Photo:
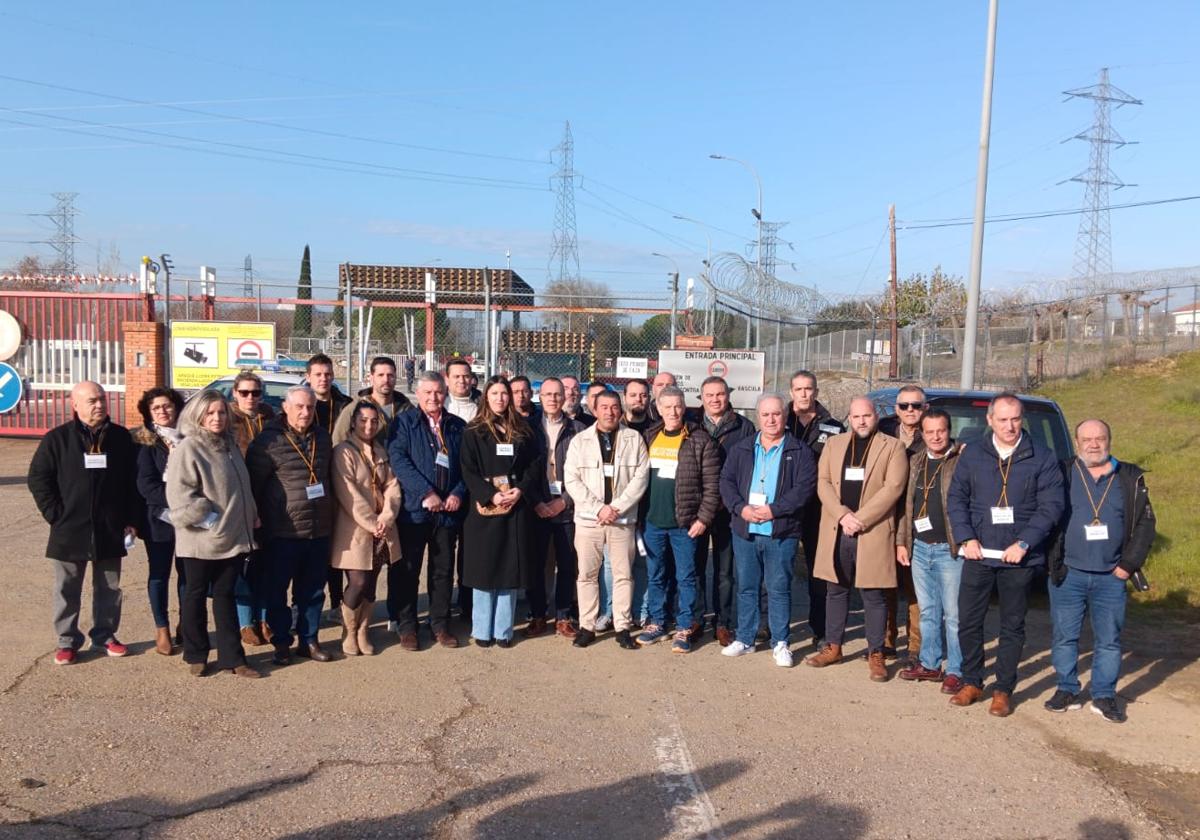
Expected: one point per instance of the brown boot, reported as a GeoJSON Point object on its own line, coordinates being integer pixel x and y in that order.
{"type": "Point", "coordinates": [364, 628]}
{"type": "Point", "coordinates": [162, 641]}
{"type": "Point", "coordinates": [827, 655]}
{"type": "Point", "coordinates": [967, 695]}
{"type": "Point", "coordinates": [1001, 704]}
{"type": "Point", "coordinates": [264, 630]}
{"type": "Point", "coordinates": [251, 637]}
{"type": "Point", "coordinates": [350, 631]}
{"type": "Point", "coordinates": [875, 664]}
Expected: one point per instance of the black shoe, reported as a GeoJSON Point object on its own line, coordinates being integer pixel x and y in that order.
{"type": "Point", "coordinates": [1107, 708]}
{"type": "Point", "coordinates": [313, 652]}
{"type": "Point", "coordinates": [625, 641]}
{"type": "Point", "coordinates": [484, 643]}
{"type": "Point", "coordinates": [282, 655]}
{"type": "Point", "coordinates": [504, 643]}
{"type": "Point", "coordinates": [583, 638]}
{"type": "Point", "coordinates": [1063, 701]}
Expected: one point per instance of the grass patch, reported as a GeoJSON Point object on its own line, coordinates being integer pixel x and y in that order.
{"type": "Point", "coordinates": [1153, 409]}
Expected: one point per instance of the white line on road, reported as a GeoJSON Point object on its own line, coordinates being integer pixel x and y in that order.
{"type": "Point", "coordinates": [691, 811]}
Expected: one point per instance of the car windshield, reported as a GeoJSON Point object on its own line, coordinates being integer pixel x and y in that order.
{"type": "Point", "coordinates": [968, 421]}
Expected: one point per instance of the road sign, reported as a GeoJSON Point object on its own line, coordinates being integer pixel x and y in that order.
{"type": "Point", "coordinates": [11, 387]}
{"type": "Point", "coordinates": [202, 351]}
{"type": "Point", "coordinates": [629, 367]}
{"type": "Point", "coordinates": [741, 369]}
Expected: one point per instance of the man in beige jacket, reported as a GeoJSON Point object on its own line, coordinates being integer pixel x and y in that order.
{"type": "Point", "coordinates": [860, 477]}
{"type": "Point", "coordinates": [606, 472]}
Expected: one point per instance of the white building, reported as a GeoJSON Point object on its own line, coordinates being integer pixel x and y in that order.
{"type": "Point", "coordinates": [1187, 319]}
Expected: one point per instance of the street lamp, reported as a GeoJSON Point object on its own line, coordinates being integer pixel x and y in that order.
{"type": "Point", "coordinates": [758, 216]}
{"type": "Point", "coordinates": [674, 292]}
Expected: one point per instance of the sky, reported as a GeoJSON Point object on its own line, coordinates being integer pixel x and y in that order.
{"type": "Point", "coordinates": [422, 134]}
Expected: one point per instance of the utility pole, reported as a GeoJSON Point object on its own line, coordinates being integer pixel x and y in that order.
{"type": "Point", "coordinates": [894, 360]}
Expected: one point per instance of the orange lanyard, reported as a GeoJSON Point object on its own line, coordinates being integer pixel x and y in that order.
{"type": "Point", "coordinates": [97, 448]}
{"type": "Point", "coordinates": [1003, 500]}
{"type": "Point", "coordinates": [927, 484]}
{"type": "Point", "coordinates": [437, 432]}
{"type": "Point", "coordinates": [853, 441]}
{"type": "Point", "coordinates": [253, 425]}
{"type": "Point", "coordinates": [311, 460]}
{"type": "Point", "coordinates": [1088, 489]}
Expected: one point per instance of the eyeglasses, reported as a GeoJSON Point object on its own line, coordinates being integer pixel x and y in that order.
{"type": "Point", "coordinates": [254, 393]}
{"type": "Point", "coordinates": [910, 406]}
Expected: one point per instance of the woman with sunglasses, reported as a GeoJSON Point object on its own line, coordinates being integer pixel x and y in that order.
{"type": "Point", "coordinates": [365, 538]}
{"type": "Point", "coordinates": [502, 467]}
{"type": "Point", "coordinates": [248, 415]}
{"type": "Point", "coordinates": [158, 437]}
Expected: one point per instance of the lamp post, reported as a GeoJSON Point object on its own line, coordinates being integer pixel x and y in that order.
{"type": "Point", "coordinates": [674, 293]}
{"type": "Point", "coordinates": [758, 215]}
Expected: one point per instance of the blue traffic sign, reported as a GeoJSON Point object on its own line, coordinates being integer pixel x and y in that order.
{"type": "Point", "coordinates": [11, 387]}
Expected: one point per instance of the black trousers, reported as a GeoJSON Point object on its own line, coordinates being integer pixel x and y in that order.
{"type": "Point", "coordinates": [337, 587]}
{"type": "Point", "coordinates": [837, 598]}
{"type": "Point", "coordinates": [560, 535]}
{"type": "Point", "coordinates": [817, 588]}
{"type": "Point", "coordinates": [465, 600]}
{"type": "Point", "coordinates": [404, 575]}
{"type": "Point", "coordinates": [221, 576]}
{"type": "Point", "coordinates": [719, 537]}
{"type": "Point", "coordinates": [974, 593]}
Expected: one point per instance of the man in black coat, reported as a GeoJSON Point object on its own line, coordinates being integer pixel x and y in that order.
{"type": "Point", "coordinates": [83, 478]}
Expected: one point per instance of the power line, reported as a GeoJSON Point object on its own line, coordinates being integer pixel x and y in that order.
{"type": "Point", "coordinates": [1045, 214]}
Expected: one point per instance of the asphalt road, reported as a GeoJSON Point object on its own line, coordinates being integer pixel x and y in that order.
{"type": "Point", "coordinates": [545, 740]}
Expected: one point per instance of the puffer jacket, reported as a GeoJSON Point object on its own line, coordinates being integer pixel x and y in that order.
{"type": "Point", "coordinates": [697, 476]}
{"type": "Point", "coordinates": [280, 477]}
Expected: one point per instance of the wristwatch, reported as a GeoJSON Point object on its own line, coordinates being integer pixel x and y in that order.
{"type": "Point", "coordinates": [1024, 546]}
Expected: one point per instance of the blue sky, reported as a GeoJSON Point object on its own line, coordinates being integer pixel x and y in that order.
{"type": "Point", "coordinates": [842, 108]}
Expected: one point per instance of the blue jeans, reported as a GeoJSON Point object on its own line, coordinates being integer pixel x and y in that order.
{"type": "Point", "coordinates": [162, 557]}
{"type": "Point", "coordinates": [936, 576]}
{"type": "Point", "coordinates": [249, 593]}
{"type": "Point", "coordinates": [304, 565]}
{"type": "Point", "coordinates": [756, 559]}
{"type": "Point", "coordinates": [683, 548]}
{"type": "Point", "coordinates": [640, 585]}
{"type": "Point", "coordinates": [492, 613]}
{"type": "Point", "coordinates": [1103, 595]}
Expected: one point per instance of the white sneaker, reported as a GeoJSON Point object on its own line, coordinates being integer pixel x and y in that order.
{"type": "Point", "coordinates": [736, 648]}
{"type": "Point", "coordinates": [783, 655]}
{"type": "Point", "coordinates": [603, 623]}
{"type": "Point", "coordinates": [393, 627]}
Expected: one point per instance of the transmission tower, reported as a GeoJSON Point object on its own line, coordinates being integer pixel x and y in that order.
{"type": "Point", "coordinates": [770, 239]}
{"type": "Point", "coordinates": [565, 248]}
{"type": "Point", "coordinates": [248, 277]}
{"type": "Point", "coordinates": [1093, 245]}
{"type": "Point", "coordinates": [63, 241]}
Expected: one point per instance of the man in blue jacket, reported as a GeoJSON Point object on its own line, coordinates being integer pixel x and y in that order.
{"type": "Point", "coordinates": [424, 452]}
{"type": "Point", "coordinates": [1005, 499]}
{"type": "Point", "coordinates": [765, 484]}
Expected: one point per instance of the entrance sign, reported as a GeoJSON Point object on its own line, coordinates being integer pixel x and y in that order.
{"type": "Point", "coordinates": [742, 369]}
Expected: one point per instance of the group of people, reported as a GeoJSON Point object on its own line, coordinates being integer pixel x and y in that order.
{"type": "Point", "coordinates": [602, 509]}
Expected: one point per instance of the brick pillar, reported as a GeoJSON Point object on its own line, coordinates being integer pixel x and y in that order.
{"type": "Point", "coordinates": [143, 364]}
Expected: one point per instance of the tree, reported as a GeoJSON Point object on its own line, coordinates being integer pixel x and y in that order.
{"type": "Point", "coordinates": [302, 323]}
{"type": "Point", "coordinates": [939, 295]}
{"type": "Point", "coordinates": [569, 294]}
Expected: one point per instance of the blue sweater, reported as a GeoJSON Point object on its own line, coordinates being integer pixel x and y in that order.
{"type": "Point", "coordinates": [795, 489]}
{"type": "Point", "coordinates": [413, 450]}
{"type": "Point", "coordinates": [1035, 493]}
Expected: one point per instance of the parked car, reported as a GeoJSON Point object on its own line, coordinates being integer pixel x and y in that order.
{"type": "Point", "coordinates": [275, 385]}
{"type": "Point", "coordinates": [1044, 420]}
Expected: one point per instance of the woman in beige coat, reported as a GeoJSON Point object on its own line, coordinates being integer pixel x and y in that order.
{"type": "Point", "coordinates": [364, 528]}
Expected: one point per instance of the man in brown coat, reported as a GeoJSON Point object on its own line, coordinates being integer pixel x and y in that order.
{"type": "Point", "coordinates": [860, 477]}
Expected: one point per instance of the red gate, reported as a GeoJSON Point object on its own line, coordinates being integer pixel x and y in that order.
{"type": "Point", "coordinates": [66, 338]}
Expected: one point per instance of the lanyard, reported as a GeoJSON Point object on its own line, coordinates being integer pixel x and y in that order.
{"type": "Point", "coordinates": [866, 451]}
{"type": "Point", "coordinates": [96, 446]}
{"type": "Point", "coordinates": [310, 460]}
{"type": "Point", "coordinates": [927, 484]}
{"type": "Point", "coordinates": [376, 480]}
{"type": "Point", "coordinates": [253, 425]}
{"type": "Point", "coordinates": [1088, 489]}
{"type": "Point", "coordinates": [1003, 500]}
{"type": "Point", "coordinates": [436, 428]}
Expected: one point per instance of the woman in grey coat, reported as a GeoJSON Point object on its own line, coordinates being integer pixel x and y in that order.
{"type": "Point", "coordinates": [212, 509]}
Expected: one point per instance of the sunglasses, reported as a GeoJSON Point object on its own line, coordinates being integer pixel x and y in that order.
{"type": "Point", "coordinates": [910, 406]}
{"type": "Point", "coordinates": [254, 393]}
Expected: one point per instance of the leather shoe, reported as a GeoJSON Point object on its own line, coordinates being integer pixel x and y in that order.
{"type": "Point", "coordinates": [583, 638]}
{"type": "Point", "coordinates": [264, 630]}
{"type": "Point", "coordinates": [951, 684]}
{"type": "Point", "coordinates": [1001, 704]}
{"type": "Point", "coordinates": [919, 672]}
{"type": "Point", "coordinates": [724, 636]}
{"type": "Point", "coordinates": [625, 641]}
{"type": "Point", "coordinates": [876, 667]}
{"type": "Point", "coordinates": [162, 641]}
{"type": "Point", "coordinates": [695, 632]}
{"type": "Point", "coordinates": [504, 643]}
{"type": "Point", "coordinates": [282, 655]}
{"type": "Point", "coordinates": [483, 643]}
{"type": "Point", "coordinates": [197, 669]}
{"type": "Point", "coordinates": [408, 641]}
{"type": "Point", "coordinates": [445, 639]}
{"type": "Point", "coordinates": [251, 636]}
{"type": "Point", "coordinates": [313, 652]}
{"type": "Point", "coordinates": [966, 695]}
{"type": "Point", "coordinates": [535, 628]}
{"type": "Point", "coordinates": [246, 671]}
{"type": "Point", "coordinates": [565, 628]}
{"type": "Point", "coordinates": [828, 655]}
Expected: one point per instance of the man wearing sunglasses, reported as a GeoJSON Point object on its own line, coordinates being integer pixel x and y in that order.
{"type": "Point", "coordinates": [905, 426]}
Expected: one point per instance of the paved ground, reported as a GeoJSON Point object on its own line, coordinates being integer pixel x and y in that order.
{"type": "Point", "coordinates": [547, 741]}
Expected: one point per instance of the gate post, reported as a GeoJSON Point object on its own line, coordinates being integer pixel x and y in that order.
{"type": "Point", "coordinates": [143, 364]}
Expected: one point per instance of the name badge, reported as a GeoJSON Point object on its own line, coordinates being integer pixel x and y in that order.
{"type": "Point", "coordinates": [757, 499]}
{"type": "Point", "coordinates": [641, 547]}
{"type": "Point", "coordinates": [665, 466]}
{"type": "Point", "coordinates": [164, 476]}
{"type": "Point", "coordinates": [1096, 531]}
{"type": "Point", "coordinates": [828, 429]}
{"type": "Point", "coordinates": [95, 460]}
{"type": "Point", "coordinates": [442, 460]}
{"type": "Point", "coordinates": [504, 449]}
{"type": "Point", "coordinates": [315, 491]}
{"type": "Point", "coordinates": [923, 524]}
{"type": "Point", "coordinates": [855, 474]}
{"type": "Point", "coordinates": [1002, 516]}
{"type": "Point", "coordinates": [610, 470]}
{"type": "Point", "coordinates": [823, 437]}
{"type": "Point", "coordinates": [555, 488]}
